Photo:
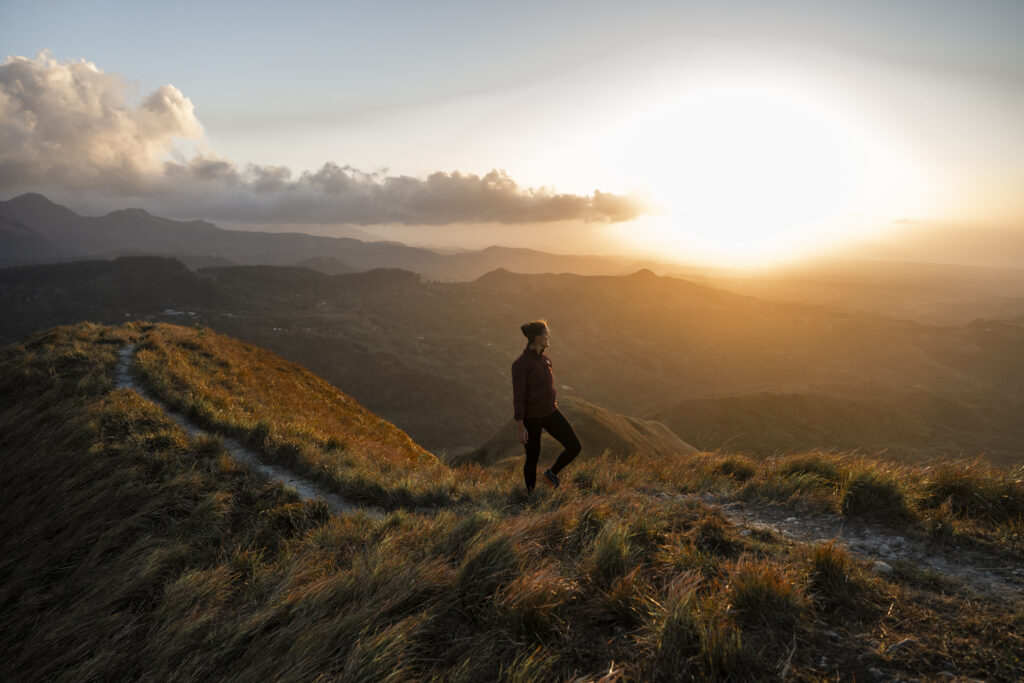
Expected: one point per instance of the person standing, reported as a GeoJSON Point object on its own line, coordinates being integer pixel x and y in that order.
{"type": "Point", "coordinates": [534, 406]}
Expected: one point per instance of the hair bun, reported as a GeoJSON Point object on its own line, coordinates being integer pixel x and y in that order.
{"type": "Point", "coordinates": [533, 328]}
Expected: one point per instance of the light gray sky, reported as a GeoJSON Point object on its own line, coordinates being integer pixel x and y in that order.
{"type": "Point", "coordinates": [919, 101]}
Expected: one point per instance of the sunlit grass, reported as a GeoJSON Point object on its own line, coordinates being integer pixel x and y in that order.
{"type": "Point", "coordinates": [131, 551]}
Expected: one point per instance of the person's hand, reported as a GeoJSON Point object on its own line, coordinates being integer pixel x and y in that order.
{"type": "Point", "coordinates": [521, 429]}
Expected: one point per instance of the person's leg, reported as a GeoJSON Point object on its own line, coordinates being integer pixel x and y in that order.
{"type": "Point", "coordinates": [532, 448]}
{"type": "Point", "coordinates": [559, 427]}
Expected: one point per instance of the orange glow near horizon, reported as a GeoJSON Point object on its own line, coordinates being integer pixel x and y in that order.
{"type": "Point", "coordinates": [748, 173]}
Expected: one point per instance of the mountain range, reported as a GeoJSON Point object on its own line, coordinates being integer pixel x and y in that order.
{"type": "Point", "coordinates": [720, 369]}
{"type": "Point", "coordinates": [36, 230]}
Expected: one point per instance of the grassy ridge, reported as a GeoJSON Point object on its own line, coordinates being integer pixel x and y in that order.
{"type": "Point", "coordinates": [130, 550]}
{"type": "Point", "coordinates": [291, 415]}
{"type": "Point", "coordinates": [238, 387]}
{"type": "Point", "coordinates": [301, 422]}
{"type": "Point", "coordinates": [412, 350]}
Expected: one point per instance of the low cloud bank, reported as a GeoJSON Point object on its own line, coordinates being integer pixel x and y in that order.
{"type": "Point", "coordinates": [70, 126]}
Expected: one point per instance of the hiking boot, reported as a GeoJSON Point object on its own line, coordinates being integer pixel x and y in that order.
{"type": "Point", "coordinates": [551, 478]}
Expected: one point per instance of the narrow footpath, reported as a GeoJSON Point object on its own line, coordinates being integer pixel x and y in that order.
{"type": "Point", "coordinates": [986, 572]}
{"type": "Point", "coordinates": [123, 379]}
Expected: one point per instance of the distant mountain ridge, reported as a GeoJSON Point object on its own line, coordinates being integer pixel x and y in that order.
{"type": "Point", "coordinates": [906, 424]}
{"type": "Point", "coordinates": [135, 231]}
{"type": "Point", "coordinates": [20, 245]}
{"type": "Point", "coordinates": [34, 230]}
{"type": "Point", "coordinates": [434, 357]}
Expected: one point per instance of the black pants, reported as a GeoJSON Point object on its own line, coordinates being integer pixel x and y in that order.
{"type": "Point", "coordinates": [558, 427]}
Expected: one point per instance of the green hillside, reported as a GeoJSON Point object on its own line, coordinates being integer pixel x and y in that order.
{"type": "Point", "coordinates": [130, 550]}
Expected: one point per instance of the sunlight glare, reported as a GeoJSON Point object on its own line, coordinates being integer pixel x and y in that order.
{"type": "Point", "coordinates": [747, 172]}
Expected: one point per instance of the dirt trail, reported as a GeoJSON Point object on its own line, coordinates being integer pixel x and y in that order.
{"type": "Point", "coordinates": [307, 489]}
{"type": "Point", "coordinates": [988, 573]}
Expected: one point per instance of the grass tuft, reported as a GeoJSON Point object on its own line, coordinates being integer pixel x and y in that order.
{"type": "Point", "coordinates": [738, 467]}
{"type": "Point", "coordinates": [973, 490]}
{"type": "Point", "coordinates": [869, 490]}
{"type": "Point", "coordinates": [628, 601]}
{"type": "Point", "coordinates": [810, 463]}
{"type": "Point", "coordinates": [677, 637]}
{"type": "Point", "coordinates": [613, 554]}
{"type": "Point", "coordinates": [384, 655]}
{"type": "Point", "coordinates": [491, 562]}
{"type": "Point", "coordinates": [763, 594]}
{"type": "Point", "coordinates": [831, 576]}
{"type": "Point", "coordinates": [715, 534]}
{"type": "Point", "coordinates": [533, 604]}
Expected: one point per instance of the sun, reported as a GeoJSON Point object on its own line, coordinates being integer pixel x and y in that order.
{"type": "Point", "coordinates": [751, 171]}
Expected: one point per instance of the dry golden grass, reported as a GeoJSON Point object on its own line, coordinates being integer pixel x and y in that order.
{"type": "Point", "coordinates": [294, 418]}
{"type": "Point", "coordinates": [227, 384]}
{"type": "Point", "coordinates": [130, 551]}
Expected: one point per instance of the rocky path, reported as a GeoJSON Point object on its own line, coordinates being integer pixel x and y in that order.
{"type": "Point", "coordinates": [306, 488]}
{"type": "Point", "coordinates": [986, 572]}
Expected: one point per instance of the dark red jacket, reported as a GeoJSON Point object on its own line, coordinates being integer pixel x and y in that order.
{"type": "Point", "coordinates": [533, 385]}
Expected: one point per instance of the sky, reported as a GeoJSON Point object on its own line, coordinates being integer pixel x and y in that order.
{"type": "Point", "coordinates": [720, 133]}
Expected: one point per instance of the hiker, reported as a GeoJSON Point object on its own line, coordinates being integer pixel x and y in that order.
{"type": "Point", "coordinates": [533, 403]}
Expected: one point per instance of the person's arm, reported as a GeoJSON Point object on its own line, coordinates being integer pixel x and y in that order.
{"type": "Point", "coordinates": [518, 391]}
{"type": "Point", "coordinates": [519, 399]}
{"type": "Point", "coordinates": [521, 432]}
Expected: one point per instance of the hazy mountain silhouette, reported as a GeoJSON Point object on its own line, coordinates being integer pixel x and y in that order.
{"type": "Point", "coordinates": [21, 245]}
{"type": "Point", "coordinates": [902, 422]}
{"type": "Point", "coordinates": [940, 293]}
{"type": "Point", "coordinates": [434, 357]}
{"type": "Point", "coordinates": [325, 264]}
{"type": "Point", "coordinates": [929, 292]}
{"type": "Point", "coordinates": [136, 232]}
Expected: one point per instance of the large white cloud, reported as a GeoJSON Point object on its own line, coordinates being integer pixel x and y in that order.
{"type": "Point", "coordinates": [70, 126]}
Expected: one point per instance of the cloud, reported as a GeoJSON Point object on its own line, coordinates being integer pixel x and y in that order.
{"type": "Point", "coordinates": [342, 194]}
{"type": "Point", "coordinates": [69, 126]}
